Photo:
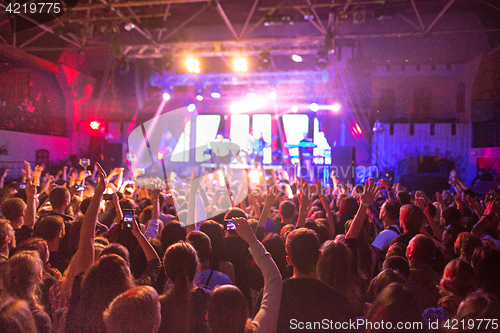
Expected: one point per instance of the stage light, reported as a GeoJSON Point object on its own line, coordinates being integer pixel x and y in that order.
{"type": "Point", "coordinates": [264, 60]}
{"type": "Point", "coordinates": [272, 95]}
{"type": "Point", "coordinates": [215, 94]}
{"type": "Point", "coordinates": [322, 59]}
{"type": "Point", "coordinates": [240, 64]}
{"type": "Point", "coordinates": [191, 107]}
{"type": "Point", "coordinates": [166, 96]}
{"type": "Point", "coordinates": [314, 107]}
{"type": "Point", "coordinates": [251, 94]}
{"type": "Point", "coordinates": [254, 177]}
{"type": "Point", "coordinates": [199, 98]}
{"type": "Point", "coordinates": [129, 26]}
{"type": "Point", "coordinates": [193, 65]}
{"type": "Point", "coordinates": [295, 108]}
{"type": "Point", "coordinates": [123, 66]}
{"type": "Point", "coordinates": [95, 125]}
{"type": "Point", "coordinates": [336, 107]}
{"type": "Point", "coordinates": [297, 58]}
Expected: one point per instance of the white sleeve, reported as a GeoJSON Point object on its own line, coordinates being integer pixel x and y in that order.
{"type": "Point", "coordinates": [267, 318]}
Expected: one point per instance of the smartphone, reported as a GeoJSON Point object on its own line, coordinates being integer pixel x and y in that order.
{"type": "Point", "coordinates": [22, 186]}
{"type": "Point", "coordinates": [128, 219]}
{"type": "Point", "coordinates": [80, 188]}
{"type": "Point", "coordinates": [168, 195]}
{"type": "Point", "coordinates": [229, 225]}
{"type": "Point", "coordinates": [84, 162]}
{"type": "Point", "coordinates": [107, 196]}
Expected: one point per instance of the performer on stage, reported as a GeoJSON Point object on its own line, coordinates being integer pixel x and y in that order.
{"type": "Point", "coordinates": [306, 155]}
{"type": "Point", "coordinates": [258, 151]}
{"type": "Point", "coordinates": [166, 146]}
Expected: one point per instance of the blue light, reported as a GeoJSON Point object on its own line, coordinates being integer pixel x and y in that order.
{"type": "Point", "coordinates": [191, 107]}
{"type": "Point", "coordinates": [314, 107]}
{"type": "Point", "coordinates": [215, 94]}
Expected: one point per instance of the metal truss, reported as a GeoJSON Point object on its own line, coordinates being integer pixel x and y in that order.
{"type": "Point", "coordinates": [250, 47]}
{"type": "Point", "coordinates": [239, 78]}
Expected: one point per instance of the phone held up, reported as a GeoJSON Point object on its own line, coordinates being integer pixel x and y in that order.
{"type": "Point", "coordinates": [128, 219]}
{"type": "Point", "coordinates": [229, 224]}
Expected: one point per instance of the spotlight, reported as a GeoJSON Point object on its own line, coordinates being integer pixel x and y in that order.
{"type": "Point", "coordinates": [166, 96]}
{"type": "Point", "coordinates": [272, 95]}
{"type": "Point", "coordinates": [336, 107]}
{"type": "Point", "coordinates": [215, 93]}
{"type": "Point", "coordinates": [314, 107]}
{"type": "Point", "coordinates": [191, 107]}
{"type": "Point", "coordinates": [199, 98]}
{"type": "Point", "coordinates": [123, 66]}
{"type": "Point", "coordinates": [297, 58]}
{"type": "Point", "coordinates": [193, 65]}
{"type": "Point", "coordinates": [264, 60]}
{"type": "Point", "coordinates": [95, 125]}
{"type": "Point", "coordinates": [199, 93]}
{"type": "Point", "coordinates": [129, 26]}
{"type": "Point", "coordinates": [322, 59]}
{"type": "Point", "coordinates": [240, 64]}
{"type": "Point", "coordinates": [295, 108]}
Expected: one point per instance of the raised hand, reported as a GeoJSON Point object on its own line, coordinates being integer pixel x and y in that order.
{"type": "Point", "coordinates": [385, 183]}
{"type": "Point", "coordinates": [439, 198]}
{"type": "Point", "coordinates": [30, 189]}
{"type": "Point", "coordinates": [101, 185]}
{"type": "Point", "coordinates": [370, 193]}
{"type": "Point", "coordinates": [244, 230]}
{"type": "Point", "coordinates": [37, 174]}
{"type": "Point", "coordinates": [304, 195]}
{"type": "Point", "coordinates": [272, 196]}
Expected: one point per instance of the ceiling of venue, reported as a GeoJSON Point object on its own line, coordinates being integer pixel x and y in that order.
{"type": "Point", "coordinates": [157, 32]}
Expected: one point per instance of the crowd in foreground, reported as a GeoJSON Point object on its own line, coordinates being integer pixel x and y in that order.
{"type": "Point", "coordinates": [88, 253]}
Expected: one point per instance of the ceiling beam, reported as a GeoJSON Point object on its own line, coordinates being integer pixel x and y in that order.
{"type": "Point", "coordinates": [112, 18]}
{"type": "Point", "coordinates": [302, 12]}
{"type": "Point", "coordinates": [226, 19]}
{"type": "Point", "coordinates": [418, 15]}
{"type": "Point", "coordinates": [317, 16]}
{"type": "Point", "coordinates": [336, 4]}
{"type": "Point", "coordinates": [441, 13]}
{"type": "Point", "coordinates": [259, 22]}
{"type": "Point", "coordinates": [249, 17]}
{"type": "Point", "coordinates": [183, 24]}
{"type": "Point", "coordinates": [134, 4]}
{"type": "Point", "coordinates": [490, 5]}
{"type": "Point", "coordinates": [32, 39]}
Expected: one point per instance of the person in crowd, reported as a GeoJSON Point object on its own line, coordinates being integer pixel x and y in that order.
{"type": "Point", "coordinates": [465, 245]}
{"type": "Point", "coordinates": [7, 241]}
{"type": "Point", "coordinates": [389, 215]}
{"type": "Point", "coordinates": [13, 210]}
{"type": "Point", "coordinates": [134, 311]}
{"type": "Point", "coordinates": [52, 229]}
{"type": "Point", "coordinates": [205, 277]}
{"type": "Point", "coordinates": [218, 255]}
{"type": "Point", "coordinates": [411, 218]}
{"type": "Point", "coordinates": [16, 316]}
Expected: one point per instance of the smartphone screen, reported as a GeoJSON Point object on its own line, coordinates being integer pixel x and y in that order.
{"type": "Point", "coordinates": [128, 218]}
{"type": "Point", "coordinates": [229, 225]}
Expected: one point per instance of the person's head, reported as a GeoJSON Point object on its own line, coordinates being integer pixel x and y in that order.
{"type": "Point", "coordinates": [451, 215]}
{"type": "Point", "coordinates": [287, 210]}
{"type": "Point", "coordinates": [403, 197]}
{"type": "Point", "coordinates": [215, 232]}
{"type": "Point", "coordinates": [302, 248]}
{"type": "Point", "coordinates": [348, 207]}
{"type": "Point", "coordinates": [15, 316]}
{"type": "Point", "coordinates": [411, 218]}
{"type": "Point", "coordinates": [398, 264]}
{"type": "Point", "coordinates": [459, 278]}
{"type": "Point", "coordinates": [288, 228]}
{"type": "Point", "coordinates": [486, 263]}
{"type": "Point", "coordinates": [450, 235]}
{"type": "Point", "coordinates": [135, 311]}
{"type": "Point", "coordinates": [395, 303]}
{"type": "Point", "coordinates": [172, 232]}
{"type": "Point", "coordinates": [7, 238]}
{"type": "Point", "coordinates": [180, 263]}
{"type": "Point", "coordinates": [13, 209]}
{"type": "Point", "coordinates": [234, 212]}
{"type": "Point", "coordinates": [227, 310]}
{"type": "Point", "coordinates": [420, 249]}
{"type": "Point", "coordinates": [396, 249]}
{"type": "Point", "coordinates": [36, 244]}
{"type": "Point", "coordinates": [276, 247]}
{"type": "Point", "coordinates": [479, 305]}
{"type": "Point", "coordinates": [22, 274]}
{"type": "Point", "coordinates": [465, 245]}
{"type": "Point", "coordinates": [117, 249]}
{"type": "Point", "coordinates": [383, 279]}
{"type": "Point", "coordinates": [201, 243]}
{"type": "Point", "coordinates": [146, 215]}
{"type": "Point", "coordinates": [389, 212]}
{"type": "Point", "coordinates": [49, 228]}
{"type": "Point", "coordinates": [59, 198]}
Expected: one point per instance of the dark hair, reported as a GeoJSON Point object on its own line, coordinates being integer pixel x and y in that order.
{"type": "Point", "coordinates": [201, 243]}
{"type": "Point", "coordinates": [59, 196]}
{"type": "Point", "coordinates": [459, 278]}
{"type": "Point", "coordinates": [411, 218]}
{"type": "Point", "coordinates": [15, 316]}
{"type": "Point", "coordinates": [235, 212]}
{"type": "Point", "coordinates": [172, 232]}
{"type": "Point", "coordinates": [13, 208]}
{"type": "Point", "coordinates": [466, 243]}
{"type": "Point", "coordinates": [35, 244]}
{"type": "Point", "coordinates": [215, 232]}
{"type": "Point", "coordinates": [392, 208]}
{"type": "Point", "coordinates": [486, 263]}
{"type": "Point", "coordinates": [396, 249]}
{"type": "Point", "coordinates": [348, 207]}
{"type": "Point", "coordinates": [398, 264]}
{"type": "Point", "coordinates": [302, 245]}
{"type": "Point", "coordinates": [287, 209]}
{"type": "Point", "coordinates": [49, 227]}
{"type": "Point", "coordinates": [383, 279]}
{"type": "Point", "coordinates": [227, 310]}
{"type": "Point", "coordinates": [84, 205]}
{"type": "Point", "coordinates": [4, 230]}
{"type": "Point", "coordinates": [117, 249]}
{"type": "Point", "coordinates": [276, 247]}
{"type": "Point", "coordinates": [403, 197]}
{"type": "Point", "coordinates": [451, 215]}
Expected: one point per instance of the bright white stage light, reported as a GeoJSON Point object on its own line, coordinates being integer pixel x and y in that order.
{"type": "Point", "coordinates": [215, 94]}
{"type": "Point", "coordinates": [240, 64]}
{"type": "Point", "coordinates": [166, 96]}
{"type": "Point", "coordinates": [295, 108]}
{"type": "Point", "coordinates": [251, 94]}
{"type": "Point", "coordinates": [191, 107]}
{"type": "Point", "coordinates": [199, 98]}
{"type": "Point", "coordinates": [254, 177]}
{"type": "Point", "coordinates": [272, 95]}
{"type": "Point", "coordinates": [336, 107]}
{"type": "Point", "coordinates": [314, 107]}
{"type": "Point", "coordinates": [297, 58]}
{"type": "Point", "coordinates": [193, 65]}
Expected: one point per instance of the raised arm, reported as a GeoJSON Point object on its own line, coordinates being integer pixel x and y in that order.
{"type": "Point", "coordinates": [270, 201]}
{"type": "Point", "coordinates": [326, 206]}
{"type": "Point", "coordinates": [366, 199]}
{"type": "Point", "coordinates": [30, 213]}
{"type": "Point", "coordinates": [267, 316]}
{"type": "Point", "coordinates": [85, 251]}
{"type": "Point", "coordinates": [305, 202]}
{"type": "Point", "coordinates": [191, 222]}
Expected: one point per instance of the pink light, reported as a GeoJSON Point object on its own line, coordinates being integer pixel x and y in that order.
{"type": "Point", "coordinates": [95, 125]}
{"type": "Point", "coordinates": [359, 131]}
{"type": "Point", "coordinates": [336, 107]}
